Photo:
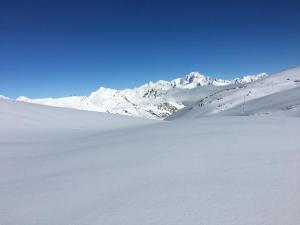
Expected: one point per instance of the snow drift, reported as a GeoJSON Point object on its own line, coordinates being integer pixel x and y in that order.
{"type": "Point", "coordinates": [63, 166]}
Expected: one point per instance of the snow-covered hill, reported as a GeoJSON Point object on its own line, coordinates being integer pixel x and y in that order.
{"type": "Point", "coordinates": [69, 167]}
{"type": "Point", "coordinates": [3, 97]}
{"type": "Point", "coordinates": [151, 100]}
{"type": "Point", "coordinates": [278, 94]}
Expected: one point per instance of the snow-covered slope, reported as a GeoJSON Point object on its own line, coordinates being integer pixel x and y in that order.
{"type": "Point", "coordinates": [151, 100]}
{"type": "Point", "coordinates": [276, 94]}
{"type": "Point", "coordinates": [62, 166]}
{"type": "Point", "coordinates": [21, 118]}
{"type": "Point", "coordinates": [3, 97]}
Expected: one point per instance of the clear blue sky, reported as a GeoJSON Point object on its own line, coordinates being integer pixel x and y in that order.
{"type": "Point", "coordinates": [59, 48]}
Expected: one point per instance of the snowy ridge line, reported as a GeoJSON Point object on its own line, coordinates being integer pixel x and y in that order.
{"type": "Point", "coordinates": [273, 95]}
{"type": "Point", "coordinates": [153, 100]}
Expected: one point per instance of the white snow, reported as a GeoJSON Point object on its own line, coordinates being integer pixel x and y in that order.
{"type": "Point", "coordinates": [68, 167]}
{"type": "Point", "coordinates": [151, 100]}
{"type": "Point", "coordinates": [278, 94]}
{"type": "Point", "coordinates": [3, 97]}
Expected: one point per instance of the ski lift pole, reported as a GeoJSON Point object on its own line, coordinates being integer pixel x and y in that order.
{"type": "Point", "coordinates": [244, 105]}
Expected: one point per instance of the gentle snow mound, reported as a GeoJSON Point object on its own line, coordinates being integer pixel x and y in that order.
{"type": "Point", "coordinates": [62, 167]}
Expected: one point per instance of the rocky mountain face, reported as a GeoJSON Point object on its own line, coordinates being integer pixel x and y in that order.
{"type": "Point", "coordinates": [155, 100]}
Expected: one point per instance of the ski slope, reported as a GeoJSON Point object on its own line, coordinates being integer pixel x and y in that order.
{"type": "Point", "coordinates": [68, 167]}
{"type": "Point", "coordinates": [278, 94]}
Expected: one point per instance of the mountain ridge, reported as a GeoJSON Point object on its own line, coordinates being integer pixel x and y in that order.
{"type": "Point", "coordinates": [277, 94]}
{"type": "Point", "coordinates": [150, 100]}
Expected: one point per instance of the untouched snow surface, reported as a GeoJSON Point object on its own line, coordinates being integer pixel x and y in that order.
{"type": "Point", "coordinates": [67, 167]}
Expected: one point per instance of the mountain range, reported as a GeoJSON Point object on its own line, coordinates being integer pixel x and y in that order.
{"type": "Point", "coordinates": [155, 100]}
{"type": "Point", "coordinates": [193, 95]}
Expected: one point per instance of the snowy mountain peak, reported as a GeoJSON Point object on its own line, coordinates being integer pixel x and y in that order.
{"type": "Point", "coordinates": [151, 100]}
{"type": "Point", "coordinates": [23, 99]}
{"type": "Point", "coordinates": [195, 77]}
{"type": "Point", "coordinates": [4, 97]}
{"type": "Point", "coordinates": [250, 78]}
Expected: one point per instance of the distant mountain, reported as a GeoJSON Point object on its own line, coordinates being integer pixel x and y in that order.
{"type": "Point", "coordinates": [278, 94]}
{"type": "Point", "coordinates": [156, 100]}
{"type": "Point", "coordinates": [3, 97]}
